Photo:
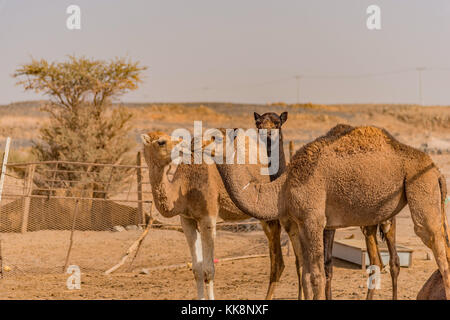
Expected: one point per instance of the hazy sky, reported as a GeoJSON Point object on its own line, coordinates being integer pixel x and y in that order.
{"type": "Point", "coordinates": [243, 50]}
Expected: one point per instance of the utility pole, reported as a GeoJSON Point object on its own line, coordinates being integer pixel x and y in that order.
{"type": "Point", "coordinates": [298, 77]}
{"type": "Point", "coordinates": [419, 70]}
{"type": "Point", "coordinates": [206, 91]}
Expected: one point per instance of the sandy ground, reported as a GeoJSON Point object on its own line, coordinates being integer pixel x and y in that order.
{"type": "Point", "coordinates": [245, 279]}
{"type": "Point", "coordinates": [36, 259]}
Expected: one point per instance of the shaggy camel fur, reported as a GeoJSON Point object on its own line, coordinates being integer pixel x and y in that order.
{"type": "Point", "coordinates": [196, 193]}
{"type": "Point", "coordinates": [359, 178]}
{"type": "Point", "coordinates": [271, 120]}
{"type": "Point", "coordinates": [387, 231]}
{"type": "Point", "coordinates": [433, 289]}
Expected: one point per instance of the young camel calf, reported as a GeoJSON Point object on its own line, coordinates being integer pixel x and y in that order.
{"type": "Point", "coordinates": [196, 193]}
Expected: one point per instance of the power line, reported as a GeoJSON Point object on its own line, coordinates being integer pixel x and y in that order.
{"type": "Point", "coordinates": [314, 76]}
{"type": "Point", "coordinates": [357, 76]}
{"type": "Point", "coordinates": [300, 76]}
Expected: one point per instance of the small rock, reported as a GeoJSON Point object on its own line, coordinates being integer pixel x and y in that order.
{"type": "Point", "coordinates": [132, 227]}
{"type": "Point", "coordinates": [144, 271]}
{"type": "Point", "coordinates": [118, 229]}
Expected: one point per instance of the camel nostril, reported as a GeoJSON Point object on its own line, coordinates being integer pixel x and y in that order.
{"type": "Point", "coordinates": [162, 143]}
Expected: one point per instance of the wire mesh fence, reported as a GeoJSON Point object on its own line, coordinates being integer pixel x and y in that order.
{"type": "Point", "coordinates": [46, 205]}
{"type": "Point", "coordinates": [57, 213]}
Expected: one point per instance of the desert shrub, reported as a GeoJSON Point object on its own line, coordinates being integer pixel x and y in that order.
{"type": "Point", "coordinates": [84, 125]}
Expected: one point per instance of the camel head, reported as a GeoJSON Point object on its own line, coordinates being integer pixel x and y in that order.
{"type": "Point", "coordinates": [270, 120]}
{"type": "Point", "coordinates": [158, 148]}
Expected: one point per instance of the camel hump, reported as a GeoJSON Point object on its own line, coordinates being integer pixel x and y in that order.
{"type": "Point", "coordinates": [342, 139]}
{"type": "Point", "coordinates": [369, 138]}
{"type": "Point", "coordinates": [339, 129]}
{"type": "Point", "coordinates": [345, 139]}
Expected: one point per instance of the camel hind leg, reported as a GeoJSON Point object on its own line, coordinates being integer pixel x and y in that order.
{"type": "Point", "coordinates": [370, 234]}
{"type": "Point", "coordinates": [389, 229]}
{"type": "Point", "coordinates": [423, 193]}
{"type": "Point", "coordinates": [272, 229]}
{"type": "Point", "coordinates": [328, 240]}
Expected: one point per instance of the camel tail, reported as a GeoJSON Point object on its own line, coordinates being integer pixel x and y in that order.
{"type": "Point", "coordinates": [443, 187]}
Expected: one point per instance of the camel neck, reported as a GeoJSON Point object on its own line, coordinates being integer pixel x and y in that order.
{"type": "Point", "coordinates": [166, 190]}
{"type": "Point", "coordinates": [281, 156]}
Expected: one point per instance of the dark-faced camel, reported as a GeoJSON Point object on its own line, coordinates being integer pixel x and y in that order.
{"type": "Point", "coordinates": [272, 228]}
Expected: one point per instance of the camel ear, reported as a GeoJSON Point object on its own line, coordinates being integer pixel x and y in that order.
{"type": "Point", "coordinates": [146, 139]}
{"type": "Point", "coordinates": [283, 117]}
{"type": "Point", "coordinates": [256, 115]}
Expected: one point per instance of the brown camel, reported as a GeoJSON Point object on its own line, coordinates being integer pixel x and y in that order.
{"type": "Point", "coordinates": [359, 178]}
{"type": "Point", "coordinates": [387, 231]}
{"type": "Point", "coordinates": [271, 120]}
{"type": "Point", "coordinates": [433, 289]}
{"type": "Point", "coordinates": [196, 193]}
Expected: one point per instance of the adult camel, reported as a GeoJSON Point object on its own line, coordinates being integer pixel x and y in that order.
{"type": "Point", "coordinates": [358, 178]}
{"type": "Point", "coordinates": [272, 121]}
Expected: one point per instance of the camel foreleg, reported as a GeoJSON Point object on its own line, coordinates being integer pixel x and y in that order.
{"type": "Point", "coordinates": [272, 229]}
{"type": "Point", "coordinates": [207, 227]}
{"type": "Point", "coordinates": [292, 231]}
{"type": "Point", "coordinates": [194, 241]}
{"type": "Point", "coordinates": [328, 240]}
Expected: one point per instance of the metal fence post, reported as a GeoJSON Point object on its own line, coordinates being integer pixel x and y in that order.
{"type": "Point", "coordinates": [28, 191]}
{"type": "Point", "coordinates": [291, 150]}
{"type": "Point", "coordinates": [75, 214]}
{"type": "Point", "coordinates": [140, 211]}
{"type": "Point", "coordinates": [4, 162]}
